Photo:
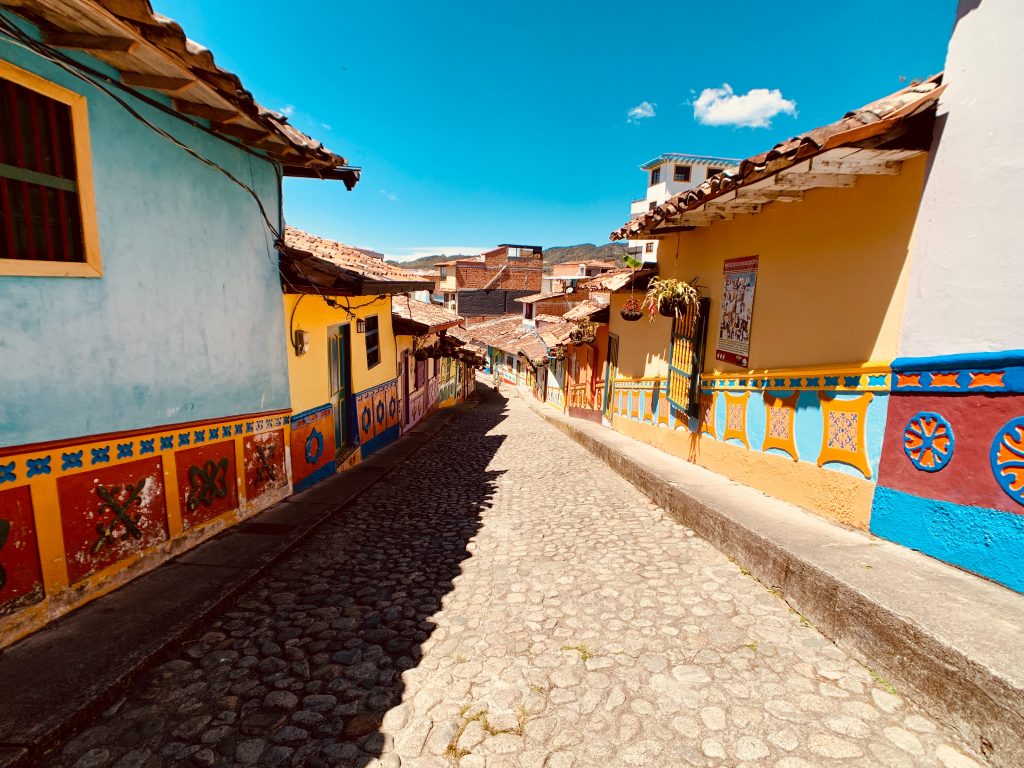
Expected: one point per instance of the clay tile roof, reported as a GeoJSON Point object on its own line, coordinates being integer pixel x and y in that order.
{"type": "Point", "coordinates": [420, 316]}
{"type": "Point", "coordinates": [510, 335]}
{"type": "Point", "coordinates": [314, 264]}
{"type": "Point", "coordinates": [152, 52]}
{"type": "Point", "coordinates": [873, 121]}
{"type": "Point", "coordinates": [533, 298]}
{"type": "Point", "coordinates": [617, 279]}
{"type": "Point", "coordinates": [586, 310]}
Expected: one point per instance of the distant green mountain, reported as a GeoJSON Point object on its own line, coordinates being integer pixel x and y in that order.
{"type": "Point", "coordinates": [558, 254]}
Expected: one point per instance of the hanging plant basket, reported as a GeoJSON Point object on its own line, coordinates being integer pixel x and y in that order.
{"type": "Point", "coordinates": [671, 308]}
{"type": "Point", "coordinates": [671, 297]}
{"type": "Point", "coordinates": [631, 310]}
{"type": "Point", "coordinates": [584, 333]}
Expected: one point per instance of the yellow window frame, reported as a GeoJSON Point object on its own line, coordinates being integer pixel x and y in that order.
{"type": "Point", "coordinates": [76, 103]}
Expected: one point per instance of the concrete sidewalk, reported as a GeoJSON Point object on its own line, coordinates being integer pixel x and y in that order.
{"type": "Point", "coordinates": [953, 639]}
{"type": "Point", "coordinates": [57, 679]}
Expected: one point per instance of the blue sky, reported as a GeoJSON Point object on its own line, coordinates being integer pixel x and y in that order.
{"type": "Point", "coordinates": [478, 123]}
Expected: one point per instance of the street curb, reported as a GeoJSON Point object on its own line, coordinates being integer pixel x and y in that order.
{"type": "Point", "coordinates": [14, 754]}
{"type": "Point", "coordinates": [983, 705]}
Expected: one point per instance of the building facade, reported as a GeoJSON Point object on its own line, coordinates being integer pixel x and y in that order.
{"type": "Point", "coordinates": [145, 390]}
{"type": "Point", "coordinates": [486, 286]}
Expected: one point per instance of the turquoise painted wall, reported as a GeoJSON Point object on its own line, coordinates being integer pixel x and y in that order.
{"type": "Point", "coordinates": [186, 321]}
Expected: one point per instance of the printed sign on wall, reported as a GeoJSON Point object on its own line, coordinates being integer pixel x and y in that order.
{"type": "Point", "coordinates": [737, 311]}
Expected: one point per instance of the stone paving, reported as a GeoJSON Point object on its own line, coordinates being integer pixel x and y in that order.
{"type": "Point", "coordinates": [505, 600]}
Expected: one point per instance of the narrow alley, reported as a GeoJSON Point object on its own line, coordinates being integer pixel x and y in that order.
{"type": "Point", "coordinates": [505, 600]}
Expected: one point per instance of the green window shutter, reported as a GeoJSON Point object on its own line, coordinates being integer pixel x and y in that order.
{"type": "Point", "coordinates": [686, 356]}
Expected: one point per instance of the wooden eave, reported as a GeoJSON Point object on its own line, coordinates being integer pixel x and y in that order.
{"type": "Point", "coordinates": [875, 148]}
{"type": "Point", "coordinates": [152, 52]}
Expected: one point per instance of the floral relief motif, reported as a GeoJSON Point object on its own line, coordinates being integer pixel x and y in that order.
{"type": "Point", "coordinates": [1007, 458]}
{"type": "Point", "coordinates": [928, 441]}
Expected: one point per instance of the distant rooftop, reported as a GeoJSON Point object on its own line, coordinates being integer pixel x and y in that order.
{"type": "Point", "coordinates": [670, 157]}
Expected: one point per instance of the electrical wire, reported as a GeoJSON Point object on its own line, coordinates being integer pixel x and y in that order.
{"type": "Point", "coordinates": [47, 53]}
{"type": "Point", "coordinates": [99, 80]}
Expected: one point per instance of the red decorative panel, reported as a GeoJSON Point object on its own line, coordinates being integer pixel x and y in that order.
{"type": "Point", "coordinates": [21, 578]}
{"type": "Point", "coordinates": [312, 442]}
{"type": "Point", "coordinates": [967, 479]}
{"type": "Point", "coordinates": [207, 484]}
{"type": "Point", "coordinates": [110, 514]}
{"type": "Point", "coordinates": [264, 463]}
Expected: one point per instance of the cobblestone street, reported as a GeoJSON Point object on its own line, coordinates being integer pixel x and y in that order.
{"type": "Point", "coordinates": [503, 599]}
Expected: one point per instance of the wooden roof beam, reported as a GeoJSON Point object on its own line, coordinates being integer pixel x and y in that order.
{"type": "Point", "coordinates": [81, 41]}
{"type": "Point", "coordinates": [156, 82]}
{"type": "Point", "coordinates": [205, 111]}
{"type": "Point", "coordinates": [788, 179]}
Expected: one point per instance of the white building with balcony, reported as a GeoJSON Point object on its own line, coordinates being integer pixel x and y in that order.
{"type": "Point", "coordinates": [668, 175]}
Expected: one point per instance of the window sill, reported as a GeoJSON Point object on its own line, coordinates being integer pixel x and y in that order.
{"type": "Point", "coordinates": [31, 268]}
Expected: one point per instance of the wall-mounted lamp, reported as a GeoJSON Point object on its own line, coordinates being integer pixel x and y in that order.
{"type": "Point", "coordinates": [300, 340]}
{"type": "Point", "coordinates": [360, 326]}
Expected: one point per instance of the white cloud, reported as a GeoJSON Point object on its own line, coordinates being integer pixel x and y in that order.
{"type": "Point", "coordinates": [641, 111]}
{"type": "Point", "coordinates": [408, 254]}
{"type": "Point", "coordinates": [287, 110]}
{"type": "Point", "coordinates": [753, 109]}
{"type": "Point", "coordinates": [391, 196]}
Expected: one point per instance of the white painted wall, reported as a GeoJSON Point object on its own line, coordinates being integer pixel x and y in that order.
{"type": "Point", "coordinates": [967, 258]}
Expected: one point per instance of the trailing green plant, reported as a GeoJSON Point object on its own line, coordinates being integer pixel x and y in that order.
{"type": "Point", "coordinates": [669, 296]}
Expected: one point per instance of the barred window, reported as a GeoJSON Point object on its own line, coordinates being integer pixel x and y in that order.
{"type": "Point", "coordinates": [40, 217]}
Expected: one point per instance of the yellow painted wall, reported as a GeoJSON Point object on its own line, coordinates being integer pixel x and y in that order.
{"type": "Point", "coordinates": [831, 278]}
{"type": "Point", "coordinates": [643, 344]}
{"type": "Point", "coordinates": [308, 374]}
{"type": "Point", "coordinates": [838, 497]}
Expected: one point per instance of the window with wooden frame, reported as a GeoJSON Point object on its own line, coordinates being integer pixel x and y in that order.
{"type": "Point", "coordinates": [681, 173]}
{"type": "Point", "coordinates": [649, 247]}
{"type": "Point", "coordinates": [655, 176]}
{"type": "Point", "coordinates": [713, 172]}
{"type": "Point", "coordinates": [372, 335]}
{"type": "Point", "coordinates": [47, 212]}
{"type": "Point", "coordinates": [686, 357]}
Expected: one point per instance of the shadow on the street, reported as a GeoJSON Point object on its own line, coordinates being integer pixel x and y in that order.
{"type": "Point", "coordinates": [303, 668]}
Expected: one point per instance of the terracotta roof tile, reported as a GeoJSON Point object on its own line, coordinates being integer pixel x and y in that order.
{"type": "Point", "coordinates": [162, 50]}
{"type": "Point", "coordinates": [432, 317]}
{"type": "Point", "coordinates": [308, 258]}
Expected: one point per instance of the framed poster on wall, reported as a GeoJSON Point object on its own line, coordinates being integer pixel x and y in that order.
{"type": "Point", "coordinates": [737, 311]}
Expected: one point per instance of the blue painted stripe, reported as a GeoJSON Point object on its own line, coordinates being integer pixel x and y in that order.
{"type": "Point", "coordinates": [986, 541]}
{"type": "Point", "coordinates": [311, 412]}
{"type": "Point", "coordinates": [1010, 357]}
{"type": "Point", "coordinates": [377, 442]}
{"type": "Point", "coordinates": [327, 470]}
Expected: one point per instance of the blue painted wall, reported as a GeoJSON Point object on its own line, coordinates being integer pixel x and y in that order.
{"type": "Point", "coordinates": [186, 321]}
{"type": "Point", "coordinates": [987, 541]}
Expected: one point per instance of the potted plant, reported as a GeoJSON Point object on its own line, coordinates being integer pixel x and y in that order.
{"type": "Point", "coordinates": [670, 297]}
{"type": "Point", "coordinates": [631, 310]}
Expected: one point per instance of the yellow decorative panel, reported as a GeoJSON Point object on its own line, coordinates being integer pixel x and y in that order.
{"type": "Point", "coordinates": [736, 417]}
{"type": "Point", "coordinates": [779, 431]}
{"type": "Point", "coordinates": [844, 429]}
